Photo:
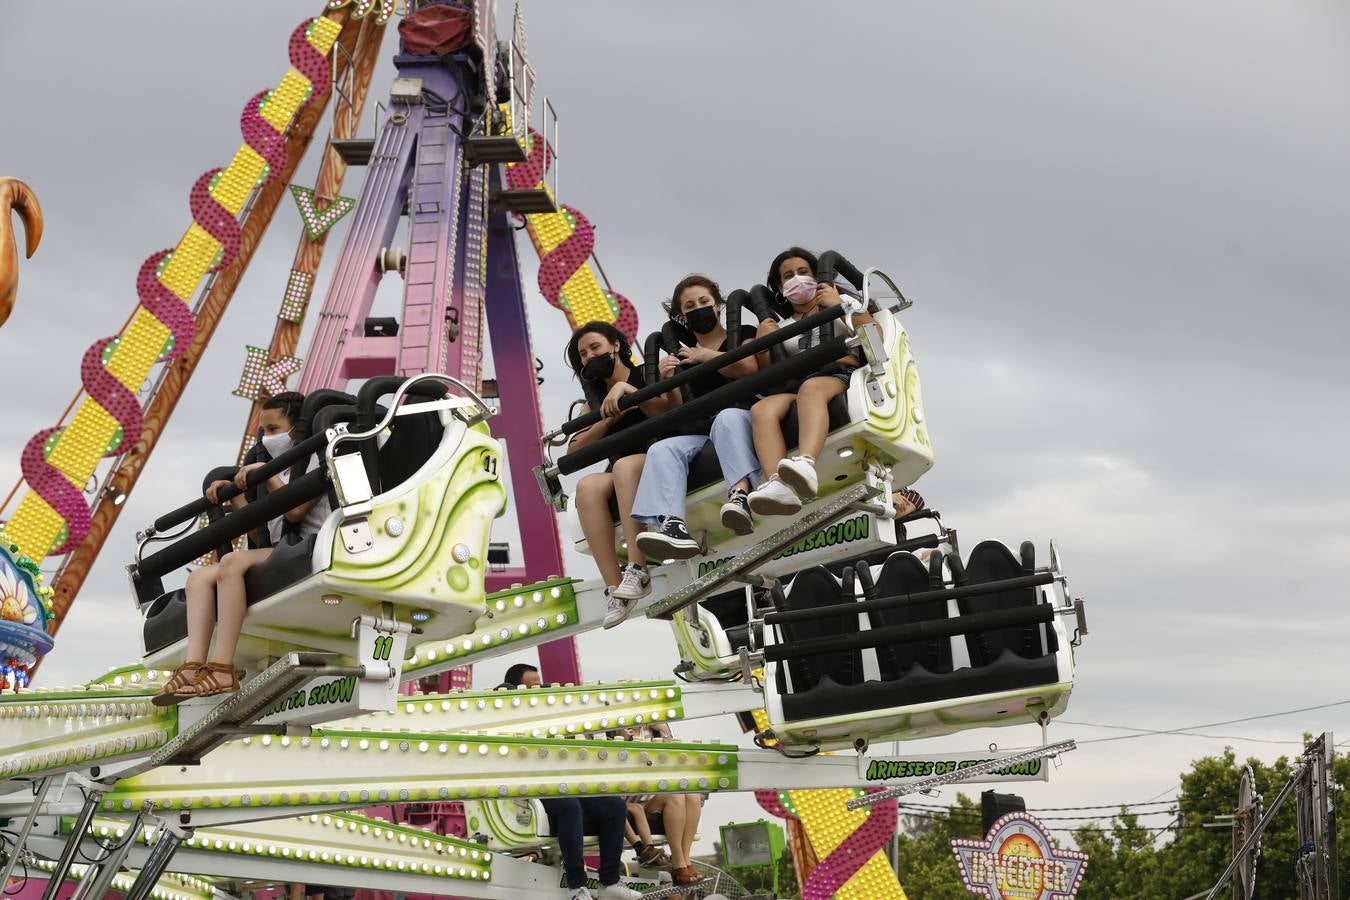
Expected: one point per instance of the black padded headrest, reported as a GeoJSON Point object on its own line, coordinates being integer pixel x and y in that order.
{"type": "Point", "coordinates": [316, 401]}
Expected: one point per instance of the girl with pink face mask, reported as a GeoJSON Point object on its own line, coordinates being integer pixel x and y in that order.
{"type": "Point", "coordinates": [791, 479]}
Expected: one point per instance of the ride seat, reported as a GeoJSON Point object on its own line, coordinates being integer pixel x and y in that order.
{"type": "Point", "coordinates": [1001, 660]}
{"type": "Point", "coordinates": [811, 589]}
{"type": "Point", "coordinates": [538, 814]}
{"type": "Point", "coordinates": [903, 573]}
{"type": "Point", "coordinates": [991, 561]}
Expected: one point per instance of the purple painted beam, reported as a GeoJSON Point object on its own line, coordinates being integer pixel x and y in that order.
{"type": "Point", "coordinates": [351, 292]}
{"type": "Point", "coordinates": [520, 426]}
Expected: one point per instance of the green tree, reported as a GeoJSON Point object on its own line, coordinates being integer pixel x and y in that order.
{"type": "Point", "coordinates": [927, 868]}
{"type": "Point", "coordinates": [1121, 857]}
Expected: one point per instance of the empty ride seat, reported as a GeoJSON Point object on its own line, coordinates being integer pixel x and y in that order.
{"type": "Point", "coordinates": [811, 589]}
{"type": "Point", "coordinates": [990, 561]}
{"type": "Point", "coordinates": [1004, 659]}
{"type": "Point", "coordinates": [704, 470]}
{"type": "Point", "coordinates": [902, 573]}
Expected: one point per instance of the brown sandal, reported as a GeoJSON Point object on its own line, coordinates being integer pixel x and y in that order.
{"type": "Point", "coordinates": [178, 687]}
{"type": "Point", "coordinates": [207, 684]}
{"type": "Point", "coordinates": [685, 875]}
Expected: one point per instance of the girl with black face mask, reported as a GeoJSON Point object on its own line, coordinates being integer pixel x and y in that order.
{"type": "Point", "coordinates": [660, 502]}
{"type": "Point", "coordinates": [600, 356]}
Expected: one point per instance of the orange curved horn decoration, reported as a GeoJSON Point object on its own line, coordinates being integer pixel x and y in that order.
{"type": "Point", "coordinates": [18, 197]}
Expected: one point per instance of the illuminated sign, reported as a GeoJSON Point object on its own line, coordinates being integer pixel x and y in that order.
{"type": "Point", "coordinates": [1017, 861]}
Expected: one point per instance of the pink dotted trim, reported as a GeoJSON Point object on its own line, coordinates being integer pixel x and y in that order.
{"type": "Point", "coordinates": [111, 394]}
{"type": "Point", "coordinates": [851, 855]}
{"type": "Point", "coordinates": [259, 134]}
{"type": "Point", "coordinates": [559, 264]}
{"type": "Point", "coordinates": [215, 219]}
{"type": "Point", "coordinates": [164, 304]}
{"type": "Point", "coordinates": [307, 60]}
{"type": "Point", "coordinates": [51, 485]}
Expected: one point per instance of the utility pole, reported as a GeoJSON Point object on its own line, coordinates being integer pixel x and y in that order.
{"type": "Point", "coordinates": [1316, 860]}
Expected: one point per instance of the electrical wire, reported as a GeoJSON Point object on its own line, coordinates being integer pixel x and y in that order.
{"type": "Point", "coordinates": [1042, 809]}
{"type": "Point", "coordinates": [976, 814]}
{"type": "Point", "coordinates": [1064, 829]}
{"type": "Point", "coordinates": [1183, 730]}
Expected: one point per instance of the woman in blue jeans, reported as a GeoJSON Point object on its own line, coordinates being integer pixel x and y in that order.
{"type": "Point", "coordinates": [607, 815]}
{"type": "Point", "coordinates": [659, 503]}
{"type": "Point", "coordinates": [567, 816]}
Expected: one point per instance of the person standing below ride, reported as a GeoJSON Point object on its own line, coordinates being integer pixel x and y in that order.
{"type": "Point", "coordinates": [599, 354]}
{"type": "Point", "coordinates": [216, 597]}
{"type": "Point", "coordinates": [660, 502]}
{"type": "Point", "coordinates": [608, 814]}
{"type": "Point", "coordinates": [791, 479]}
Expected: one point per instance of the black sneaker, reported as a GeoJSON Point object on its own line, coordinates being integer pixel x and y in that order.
{"type": "Point", "coordinates": [736, 513]}
{"type": "Point", "coordinates": [670, 541]}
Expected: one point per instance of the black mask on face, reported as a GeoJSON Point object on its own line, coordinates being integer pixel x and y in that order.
{"type": "Point", "coordinates": [701, 320]}
{"type": "Point", "coordinates": [598, 368]}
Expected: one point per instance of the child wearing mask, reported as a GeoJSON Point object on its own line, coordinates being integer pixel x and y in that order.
{"type": "Point", "coordinates": [790, 479]}
{"type": "Point", "coordinates": [216, 598]}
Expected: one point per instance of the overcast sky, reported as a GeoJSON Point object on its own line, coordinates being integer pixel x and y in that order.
{"type": "Point", "coordinates": [1122, 226]}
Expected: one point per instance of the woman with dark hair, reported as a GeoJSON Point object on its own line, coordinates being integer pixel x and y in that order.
{"type": "Point", "coordinates": [216, 598]}
{"type": "Point", "coordinates": [790, 479]}
{"type": "Point", "coordinates": [599, 354]}
{"type": "Point", "coordinates": [696, 303]}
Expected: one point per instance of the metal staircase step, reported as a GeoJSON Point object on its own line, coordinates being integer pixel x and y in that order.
{"type": "Point", "coordinates": [493, 148]}
{"type": "Point", "coordinates": [354, 151]}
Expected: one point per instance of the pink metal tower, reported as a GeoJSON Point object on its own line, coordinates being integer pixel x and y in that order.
{"type": "Point", "coordinates": [460, 272]}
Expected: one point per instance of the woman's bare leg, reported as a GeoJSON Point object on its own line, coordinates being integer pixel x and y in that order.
{"type": "Point", "coordinates": [232, 602]}
{"type": "Point", "coordinates": [593, 493]}
{"type": "Point", "coordinates": [644, 829]}
{"type": "Point", "coordinates": [671, 808]}
{"type": "Point", "coordinates": [813, 414]}
{"type": "Point", "coordinates": [766, 423]}
{"type": "Point", "coordinates": [201, 611]}
{"type": "Point", "coordinates": [627, 473]}
{"type": "Point", "coordinates": [693, 811]}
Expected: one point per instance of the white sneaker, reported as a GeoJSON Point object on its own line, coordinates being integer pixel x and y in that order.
{"type": "Point", "coordinates": [581, 893]}
{"type": "Point", "coordinates": [799, 473]}
{"type": "Point", "coordinates": [773, 498]}
{"type": "Point", "coordinates": [618, 891]}
{"type": "Point", "coordinates": [635, 585]}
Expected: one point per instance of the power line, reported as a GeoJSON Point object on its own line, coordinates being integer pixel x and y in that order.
{"type": "Point", "coordinates": [1147, 732]}
{"type": "Point", "coordinates": [975, 814]}
{"type": "Point", "coordinates": [1064, 829]}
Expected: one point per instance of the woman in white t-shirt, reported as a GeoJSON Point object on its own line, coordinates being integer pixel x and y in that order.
{"type": "Point", "coordinates": [216, 598]}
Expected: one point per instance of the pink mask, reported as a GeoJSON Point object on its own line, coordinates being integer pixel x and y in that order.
{"type": "Point", "coordinates": [799, 289]}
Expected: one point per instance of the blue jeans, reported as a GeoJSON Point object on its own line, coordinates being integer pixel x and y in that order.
{"type": "Point", "coordinates": [665, 474]}
{"type": "Point", "coordinates": [607, 814]}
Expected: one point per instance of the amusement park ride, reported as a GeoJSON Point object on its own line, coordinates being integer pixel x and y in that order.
{"type": "Point", "coordinates": [827, 635]}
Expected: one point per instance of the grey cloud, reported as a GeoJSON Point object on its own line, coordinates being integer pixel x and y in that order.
{"type": "Point", "coordinates": [1122, 226]}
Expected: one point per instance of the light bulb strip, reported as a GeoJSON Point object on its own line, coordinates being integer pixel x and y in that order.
{"type": "Point", "coordinates": [536, 712]}
{"type": "Point", "coordinates": [512, 616]}
{"type": "Point", "coordinates": [353, 768]}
